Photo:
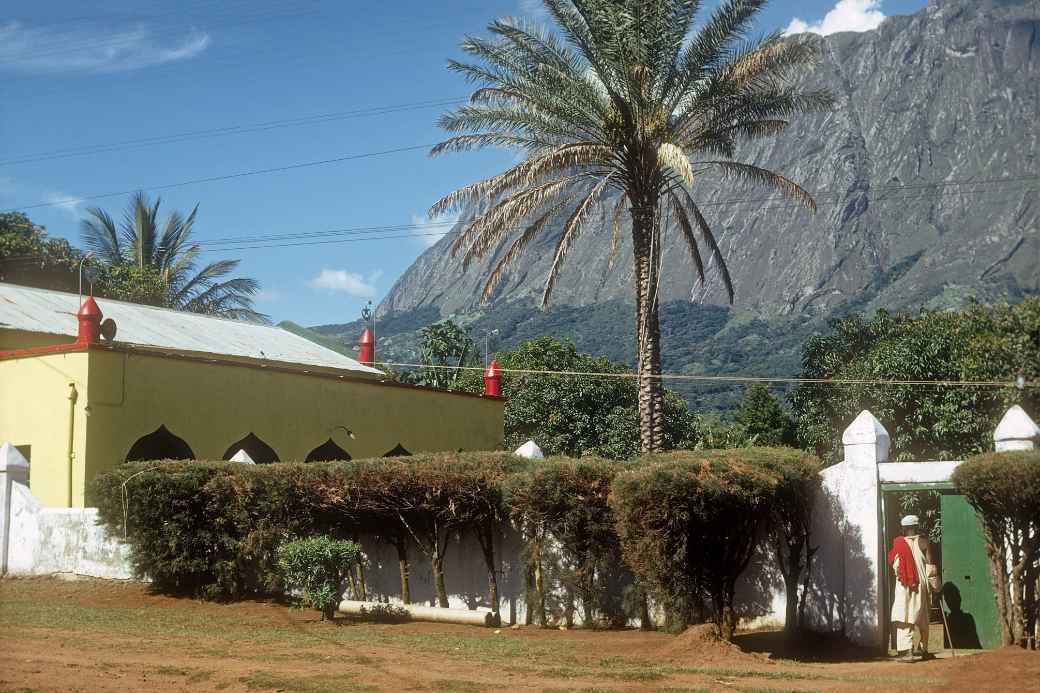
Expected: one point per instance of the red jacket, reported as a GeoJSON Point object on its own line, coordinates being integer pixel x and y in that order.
{"type": "Point", "coordinates": [907, 572]}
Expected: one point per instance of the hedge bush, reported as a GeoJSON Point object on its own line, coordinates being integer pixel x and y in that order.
{"type": "Point", "coordinates": [566, 502]}
{"type": "Point", "coordinates": [1004, 489]}
{"type": "Point", "coordinates": [689, 522]}
{"type": "Point", "coordinates": [319, 566]}
{"type": "Point", "coordinates": [682, 526]}
{"type": "Point", "coordinates": [211, 529]}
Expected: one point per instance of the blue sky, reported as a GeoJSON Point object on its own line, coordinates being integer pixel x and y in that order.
{"type": "Point", "coordinates": [82, 74]}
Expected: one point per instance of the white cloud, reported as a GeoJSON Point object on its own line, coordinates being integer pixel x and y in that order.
{"type": "Point", "coordinates": [533, 10]}
{"type": "Point", "coordinates": [67, 203]}
{"type": "Point", "coordinates": [435, 228]}
{"type": "Point", "coordinates": [350, 283]}
{"type": "Point", "coordinates": [267, 296]}
{"type": "Point", "coordinates": [847, 15]}
{"type": "Point", "coordinates": [47, 50]}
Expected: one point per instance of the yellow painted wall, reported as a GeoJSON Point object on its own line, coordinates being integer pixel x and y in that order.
{"type": "Point", "coordinates": [212, 406]}
{"type": "Point", "coordinates": [122, 397]}
{"type": "Point", "coordinates": [19, 339]}
{"type": "Point", "coordinates": [34, 411]}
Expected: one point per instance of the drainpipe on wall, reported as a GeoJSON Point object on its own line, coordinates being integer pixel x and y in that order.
{"type": "Point", "coordinates": [73, 396]}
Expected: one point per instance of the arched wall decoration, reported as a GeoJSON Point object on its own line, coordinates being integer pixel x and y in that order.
{"type": "Point", "coordinates": [398, 451]}
{"type": "Point", "coordinates": [259, 451]}
{"type": "Point", "coordinates": [160, 444]}
{"type": "Point", "coordinates": [328, 452]}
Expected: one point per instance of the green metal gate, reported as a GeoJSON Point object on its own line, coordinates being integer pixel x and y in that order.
{"type": "Point", "coordinates": [967, 590]}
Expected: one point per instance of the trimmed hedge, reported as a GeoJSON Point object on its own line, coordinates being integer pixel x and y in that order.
{"type": "Point", "coordinates": [211, 529]}
{"type": "Point", "coordinates": [681, 526]}
{"type": "Point", "coordinates": [689, 522]}
{"type": "Point", "coordinates": [1004, 489]}
{"type": "Point", "coordinates": [565, 501]}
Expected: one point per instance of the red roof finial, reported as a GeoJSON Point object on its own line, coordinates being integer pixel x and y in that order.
{"type": "Point", "coordinates": [493, 380]}
{"type": "Point", "coordinates": [367, 347]}
{"type": "Point", "coordinates": [89, 319]}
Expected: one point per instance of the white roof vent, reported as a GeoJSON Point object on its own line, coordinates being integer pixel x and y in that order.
{"type": "Point", "coordinates": [530, 450]}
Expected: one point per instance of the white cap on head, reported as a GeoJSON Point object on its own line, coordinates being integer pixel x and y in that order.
{"type": "Point", "coordinates": [910, 521]}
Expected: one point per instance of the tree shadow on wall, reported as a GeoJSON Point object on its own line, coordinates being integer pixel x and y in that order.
{"type": "Point", "coordinates": [842, 596]}
{"type": "Point", "coordinates": [840, 602]}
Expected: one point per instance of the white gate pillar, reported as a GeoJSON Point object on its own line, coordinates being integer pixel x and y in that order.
{"type": "Point", "coordinates": [1016, 431]}
{"type": "Point", "coordinates": [857, 488]}
{"type": "Point", "coordinates": [14, 469]}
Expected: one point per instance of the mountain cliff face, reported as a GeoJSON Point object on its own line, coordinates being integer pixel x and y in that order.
{"type": "Point", "coordinates": [925, 174]}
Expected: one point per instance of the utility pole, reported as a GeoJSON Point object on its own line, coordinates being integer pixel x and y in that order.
{"type": "Point", "coordinates": [487, 338]}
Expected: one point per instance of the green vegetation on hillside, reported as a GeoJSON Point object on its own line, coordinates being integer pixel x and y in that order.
{"type": "Point", "coordinates": [991, 344]}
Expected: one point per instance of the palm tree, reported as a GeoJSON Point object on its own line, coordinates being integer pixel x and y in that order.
{"type": "Point", "coordinates": [166, 253]}
{"type": "Point", "coordinates": [622, 107]}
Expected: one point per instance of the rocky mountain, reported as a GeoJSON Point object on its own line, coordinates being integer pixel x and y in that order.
{"type": "Point", "coordinates": [926, 175]}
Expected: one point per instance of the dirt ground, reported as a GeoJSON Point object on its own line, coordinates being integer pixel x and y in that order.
{"type": "Point", "coordinates": [103, 636]}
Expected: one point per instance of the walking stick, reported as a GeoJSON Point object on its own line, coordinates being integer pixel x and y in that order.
{"type": "Point", "coordinates": [946, 624]}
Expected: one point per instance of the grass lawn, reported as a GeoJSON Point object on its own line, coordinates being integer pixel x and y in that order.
{"type": "Point", "coordinates": [103, 636]}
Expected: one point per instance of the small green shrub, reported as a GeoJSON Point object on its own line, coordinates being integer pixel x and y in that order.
{"type": "Point", "coordinates": [1004, 489]}
{"type": "Point", "coordinates": [319, 566]}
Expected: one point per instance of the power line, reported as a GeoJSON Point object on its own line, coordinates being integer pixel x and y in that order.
{"type": "Point", "coordinates": [729, 378]}
{"type": "Point", "coordinates": [308, 164]}
{"type": "Point", "coordinates": [230, 176]}
{"type": "Point", "coordinates": [232, 130]}
{"type": "Point", "coordinates": [377, 233]}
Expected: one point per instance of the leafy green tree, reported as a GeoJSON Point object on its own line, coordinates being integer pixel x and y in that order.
{"type": "Point", "coordinates": [143, 242]}
{"type": "Point", "coordinates": [443, 347]}
{"type": "Point", "coordinates": [944, 421]}
{"type": "Point", "coordinates": [764, 420]}
{"type": "Point", "coordinates": [577, 415]}
{"type": "Point", "coordinates": [29, 257]}
{"type": "Point", "coordinates": [132, 283]}
{"type": "Point", "coordinates": [625, 105]}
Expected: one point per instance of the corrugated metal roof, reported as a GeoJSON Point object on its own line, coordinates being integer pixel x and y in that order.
{"type": "Point", "coordinates": [54, 312]}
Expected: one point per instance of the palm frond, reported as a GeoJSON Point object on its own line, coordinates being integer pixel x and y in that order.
{"type": "Point", "coordinates": [675, 158]}
{"type": "Point", "coordinates": [571, 230]}
{"type": "Point", "coordinates": [516, 248]}
{"type": "Point", "coordinates": [708, 237]}
{"type": "Point", "coordinates": [761, 176]}
{"type": "Point", "coordinates": [101, 236]}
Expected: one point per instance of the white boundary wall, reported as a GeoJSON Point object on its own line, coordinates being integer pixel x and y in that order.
{"type": "Point", "coordinates": [52, 541]}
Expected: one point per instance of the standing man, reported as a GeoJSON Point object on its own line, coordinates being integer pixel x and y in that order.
{"type": "Point", "coordinates": [916, 577]}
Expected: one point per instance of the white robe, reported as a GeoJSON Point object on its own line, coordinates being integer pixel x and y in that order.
{"type": "Point", "coordinates": [910, 607]}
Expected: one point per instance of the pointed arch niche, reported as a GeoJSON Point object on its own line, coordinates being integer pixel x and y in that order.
{"type": "Point", "coordinates": [259, 451]}
{"type": "Point", "coordinates": [160, 444]}
{"type": "Point", "coordinates": [328, 452]}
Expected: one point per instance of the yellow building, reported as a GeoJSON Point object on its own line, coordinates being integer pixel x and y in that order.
{"type": "Point", "coordinates": [182, 385]}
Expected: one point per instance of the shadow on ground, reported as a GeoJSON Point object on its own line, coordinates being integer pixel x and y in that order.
{"type": "Point", "coordinates": [804, 647]}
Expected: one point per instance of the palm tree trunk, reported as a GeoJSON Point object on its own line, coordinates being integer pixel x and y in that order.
{"type": "Point", "coordinates": [646, 249]}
